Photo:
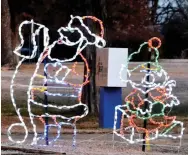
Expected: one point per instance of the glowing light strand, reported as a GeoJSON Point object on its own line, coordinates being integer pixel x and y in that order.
{"type": "Point", "coordinates": [82, 42]}
{"type": "Point", "coordinates": [132, 109]}
{"type": "Point", "coordinates": [22, 124]}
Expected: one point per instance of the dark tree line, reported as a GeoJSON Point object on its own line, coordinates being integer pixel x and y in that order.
{"type": "Point", "coordinates": [127, 22]}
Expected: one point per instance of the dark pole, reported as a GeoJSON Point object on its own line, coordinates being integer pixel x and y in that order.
{"type": "Point", "coordinates": [46, 103]}
{"type": "Point", "coordinates": [146, 103]}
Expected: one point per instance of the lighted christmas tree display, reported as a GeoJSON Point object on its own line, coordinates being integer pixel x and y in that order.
{"type": "Point", "coordinates": [150, 101]}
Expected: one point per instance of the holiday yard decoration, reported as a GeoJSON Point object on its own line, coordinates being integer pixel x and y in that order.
{"type": "Point", "coordinates": [55, 79]}
{"type": "Point", "coordinates": [151, 100]}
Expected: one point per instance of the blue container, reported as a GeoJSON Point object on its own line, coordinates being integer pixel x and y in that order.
{"type": "Point", "coordinates": [110, 97]}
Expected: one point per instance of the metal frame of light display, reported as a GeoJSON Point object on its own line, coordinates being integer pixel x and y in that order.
{"type": "Point", "coordinates": [158, 93]}
{"type": "Point", "coordinates": [81, 43]}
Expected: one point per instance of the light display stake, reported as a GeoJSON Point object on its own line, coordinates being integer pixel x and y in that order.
{"type": "Point", "coordinates": [81, 43]}
{"type": "Point", "coordinates": [146, 95]}
{"type": "Point", "coordinates": [46, 126]}
{"type": "Point", "coordinates": [158, 91]}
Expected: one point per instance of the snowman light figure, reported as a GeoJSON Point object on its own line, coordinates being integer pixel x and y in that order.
{"type": "Point", "coordinates": [58, 80]}
{"type": "Point", "coordinates": [158, 89]}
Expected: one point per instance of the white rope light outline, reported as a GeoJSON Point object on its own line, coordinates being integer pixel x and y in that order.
{"type": "Point", "coordinates": [151, 86]}
{"type": "Point", "coordinates": [15, 73]}
{"type": "Point", "coordinates": [47, 53]}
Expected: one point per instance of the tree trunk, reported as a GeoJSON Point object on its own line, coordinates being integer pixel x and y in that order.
{"type": "Point", "coordinates": [15, 42]}
{"type": "Point", "coordinates": [104, 15]}
{"type": "Point", "coordinates": [154, 10]}
{"type": "Point", "coordinates": [7, 56]}
{"type": "Point", "coordinates": [89, 91]}
{"type": "Point", "coordinates": [95, 107]}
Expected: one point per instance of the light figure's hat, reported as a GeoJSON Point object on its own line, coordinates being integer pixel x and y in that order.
{"type": "Point", "coordinates": [154, 65]}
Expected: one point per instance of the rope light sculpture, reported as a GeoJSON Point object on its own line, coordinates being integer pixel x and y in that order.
{"type": "Point", "coordinates": [159, 91]}
{"type": "Point", "coordinates": [57, 79]}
